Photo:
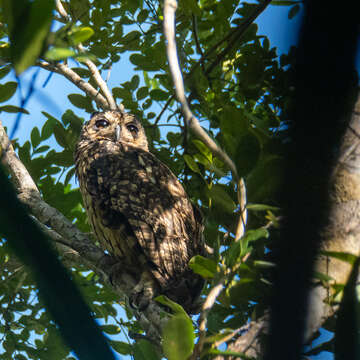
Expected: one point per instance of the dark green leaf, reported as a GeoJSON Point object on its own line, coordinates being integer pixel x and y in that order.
{"type": "Point", "coordinates": [110, 329]}
{"type": "Point", "coordinates": [159, 95]}
{"type": "Point", "coordinates": [144, 350]}
{"type": "Point", "coordinates": [35, 137]}
{"type": "Point", "coordinates": [143, 14]}
{"type": "Point", "coordinates": [135, 81]}
{"type": "Point", "coordinates": [4, 71]}
{"type": "Point", "coordinates": [81, 102]}
{"type": "Point", "coordinates": [142, 93]}
{"type": "Point", "coordinates": [7, 90]}
{"type": "Point", "coordinates": [121, 347]}
{"type": "Point", "coordinates": [221, 198]}
{"type": "Point", "coordinates": [60, 135]}
{"type": "Point", "coordinates": [13, 109]}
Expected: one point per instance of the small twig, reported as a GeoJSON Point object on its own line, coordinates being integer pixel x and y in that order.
{"type": "Point", "coordinates": [61, 10]}
{"type": "Point", "coordinates": [71, 75]}
{"type": "Point", "coordinates": [241, 195]}
{"type": "Point", "coordinates": [239, 32]}
{"type": "Point", "coordinates": [164, 109]}
{"type": "Point", "coordinates": [231, 335]}
{"type": "Point", "coordinates": [207, 306]}
{"type": "Point", "coordinates": [99, 80]}
{"type": "Point", "coordinates": [191, 121]}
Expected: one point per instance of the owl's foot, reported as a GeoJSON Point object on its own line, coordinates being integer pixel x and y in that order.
{"type": "Point", "coordinates": [143, 293]}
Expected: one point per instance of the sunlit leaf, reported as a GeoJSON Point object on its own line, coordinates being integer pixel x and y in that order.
{"type": "Point", "coordinates": [178, 337]}
{"type": "Point", "coordinates": [203, 266]}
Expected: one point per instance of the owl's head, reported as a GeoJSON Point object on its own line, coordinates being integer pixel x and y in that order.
{"type": "Point", "coordinates": [115, 126]}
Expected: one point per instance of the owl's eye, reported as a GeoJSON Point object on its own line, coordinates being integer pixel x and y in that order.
{"type": "Point", "coordinates": [102, 123]}
{"type": "Point", "coordinates": [133, 129]}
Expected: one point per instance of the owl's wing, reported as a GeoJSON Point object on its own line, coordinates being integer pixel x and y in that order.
{"type": "Point", "coordinates": [136, 187]}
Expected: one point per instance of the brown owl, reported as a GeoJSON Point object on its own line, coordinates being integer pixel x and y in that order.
{"type": "Point", "coordinates": [138, 209]}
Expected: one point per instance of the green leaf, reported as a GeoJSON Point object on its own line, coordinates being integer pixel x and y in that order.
{"type": "Point", "coordinates": [7, 90]}
{"type": "Point", "coordinates": [142, 63]}
{"type": "Point", "coordinates": [135, 81]}
{"type": "Point", "coordinates": [264, 264]}
{"type": "Point", "coordinates": [4, 71]}
{"type": "Point", "coordinates": [203, 266]}
{"type": "Point", "coordinates": [203, 149]}
{"type": "Point", "coordinates": [48, 128]}
{"type": "Point", "coordinates": [261, 207]}
{"type": "Point", "coordinates": [121, 347]}
{"type": "Point", "coordinates": [28, 23]}
{"type": "Point", "coordinates": [190, 162]}
{"type": "Point", "coordinates": [57, 53]}
{"type": "Point", "coordinates": [144, 350]}
{"type": "Point", "coordinates": [142, 93]}
{"type": "Point", "coordinates": [221, 198]}
{"type": "Point", "coordinates": [178, 337]}
{"type": "Point", "coordinates": [80, 34]}
{"type": "Point", "coordinates": [13, 109]}
{"type": "Point", "coordinates": [60, 135]}
{"type": "Point", "coordinates": [191, 6]}
{"type": "Point", "coordinates": [81, 102]}
{"type": "Point", "coordinates": [346, 257]}
{"type": "Point", "coordinates": [247, 152]}
{"type": "Point", "coordinates": [143, 14]}
{"type": "Point", "coordinates": [110, 329]}
{"type": "Point", "coordinates": [35, 137]}
{"type": "Point", "coordinates": [176, 308]}
{"type": "Point", "coordinates": [159, 95]}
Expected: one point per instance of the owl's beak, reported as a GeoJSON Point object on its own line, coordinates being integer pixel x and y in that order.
{"type": "Point", "coordinates": [117, 133]}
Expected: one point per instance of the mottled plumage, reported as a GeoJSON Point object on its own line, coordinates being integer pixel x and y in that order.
{"type": "Point", "coordinates": [138, 209]}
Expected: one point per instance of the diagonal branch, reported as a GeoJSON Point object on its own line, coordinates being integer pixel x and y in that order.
{"type": "Point", "coordinates": [71, 75]}
{"type": "Point", "coordinates": [111, 104]}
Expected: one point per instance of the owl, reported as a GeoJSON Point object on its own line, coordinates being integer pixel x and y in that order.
{"type": "Point", "coordinates": [138, 210]}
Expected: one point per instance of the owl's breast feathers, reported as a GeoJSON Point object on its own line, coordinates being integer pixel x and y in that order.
{"type": "Point", "coordinates": [140, 212]}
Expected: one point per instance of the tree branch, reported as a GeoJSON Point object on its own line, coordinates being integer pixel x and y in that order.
{"type": "Point", "coordinates": [191, 121]}
{"type": "Point", "coordinates": [71, 75]}
{"type": "Point", "coordinates": [111, 104]}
